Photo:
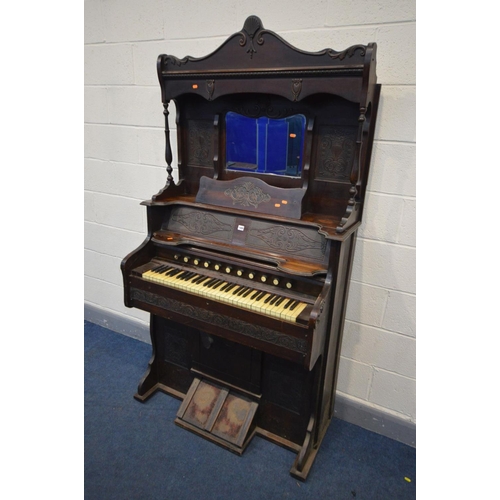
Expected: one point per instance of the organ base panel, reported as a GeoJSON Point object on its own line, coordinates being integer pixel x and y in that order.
{"type": "Point", "coordinates": [246, 264]}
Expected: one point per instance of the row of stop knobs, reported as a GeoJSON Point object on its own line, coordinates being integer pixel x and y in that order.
{"type": "Point", "coordinates": [228, 269]}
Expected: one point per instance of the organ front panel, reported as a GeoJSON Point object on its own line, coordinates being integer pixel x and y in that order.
{"type": "Point", "coordinates": [245, 268]}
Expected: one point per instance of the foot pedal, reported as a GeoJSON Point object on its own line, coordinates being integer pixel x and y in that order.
{"type": "Point", "coordinates": [219, 414]}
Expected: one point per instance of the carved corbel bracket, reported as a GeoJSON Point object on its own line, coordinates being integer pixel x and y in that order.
{"type": "Point", "coordinates": [353, 202]}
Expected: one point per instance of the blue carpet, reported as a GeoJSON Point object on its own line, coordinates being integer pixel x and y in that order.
{"type": "Point", "coordinates": [135, 451]}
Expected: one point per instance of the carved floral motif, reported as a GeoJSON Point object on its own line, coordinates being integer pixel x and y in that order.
{"type": "Point", "coordinates": [200, 143]}
{"type": "Point", "coordinates": [247, 194]}
{"type": "Point", "coordinates": [336, 154]}
{"type": "Point", "coordinates": [210, 88]}
{"type": "Point", "coordinates": [296, 88]}
{"type": "Point", "coordinates": [201, 223]}
{"type": "Point", "coordinates": [251, 27]}
{"type": "Point", "coordinates": [288, 239]}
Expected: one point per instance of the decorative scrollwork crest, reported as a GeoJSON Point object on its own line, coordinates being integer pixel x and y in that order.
{"type": "Point", "coordinates": [349, 52]}
{"type": "Point", "coordinates": [251, 27]}
{"type": "Point", "coordinates": [247, 194]}
{"type": "Point", "coordinates": [175, 60]}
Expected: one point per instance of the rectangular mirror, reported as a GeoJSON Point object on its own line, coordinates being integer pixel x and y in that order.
{"type": "Point", "coordinates": [265, 145]}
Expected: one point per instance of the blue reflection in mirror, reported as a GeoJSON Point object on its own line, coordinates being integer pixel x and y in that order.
{"type": "Point", "coordinates": [265, 145]}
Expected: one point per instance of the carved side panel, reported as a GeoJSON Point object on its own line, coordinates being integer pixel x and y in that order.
{"type": "Point", "coordinates": [282, 239]}
{"type": "Point", "coordinates": [286, 240]}
{"type": "Point", "coordinates": [335, 152]}
{"type": "Point", "coordinates": [200, 147]}
{"type": "Point", "coordinates": [200, 223]}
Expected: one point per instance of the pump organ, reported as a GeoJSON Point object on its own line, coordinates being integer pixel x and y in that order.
{"type": "Point", "coordinates": [245, 269]}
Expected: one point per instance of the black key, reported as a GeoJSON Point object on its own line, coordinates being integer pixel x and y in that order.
{"type": "Point", "coordinates": [156, 271]}
{"type": "Point", "coordinates": [166, 270]}
{"type": "Point", "coordinates": [269, 298]}
{"type": "Point", "coordinates": [242, 291]}
{"type": "Point", "coordinates": [294, 305]}
{"type": "Point", "coordinates": [260, 296]}
{"type": "Point", "coordinates": [274, 299]}
{"type": "Point", "coordinates": [161, 272]}
{"type": "Point", "coordinates": [280, 301]}
{"type": "Point", "coordinates": [173, 272]}
{"type": "Point", "coordinates": [157, 266]}
{"type": "Point", "coordinates": [287, 305]}
{"type": "Point", "coordinates": [248, 292]}
{"type": "Point", "coordinates": [255, 295]}
{"type": "Point", "coordinates": [237, 289]}
{"type": "Point", "coordinates": [159, 269]}
{"type": "Point", "coordinates": [216, 284]}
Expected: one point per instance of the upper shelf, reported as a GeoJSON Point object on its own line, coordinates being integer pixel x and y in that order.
{"type": "Point", "coordinates": [255, 53]}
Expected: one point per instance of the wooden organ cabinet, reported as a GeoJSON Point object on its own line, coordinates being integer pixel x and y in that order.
{"type": "Point", "coordinates": [246, 266]}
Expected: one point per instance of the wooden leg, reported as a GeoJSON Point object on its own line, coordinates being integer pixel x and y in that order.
{"type": "Point", "coordinates": [306, 456]}
{"type": "Point", "coordinates": [148, 384]}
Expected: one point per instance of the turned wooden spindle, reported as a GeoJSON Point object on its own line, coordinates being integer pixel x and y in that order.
{"type": "Point", "coordinates": [168, 148]}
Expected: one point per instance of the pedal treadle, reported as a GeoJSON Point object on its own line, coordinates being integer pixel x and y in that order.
{"type": "Point", "coordinates": [218, 413]}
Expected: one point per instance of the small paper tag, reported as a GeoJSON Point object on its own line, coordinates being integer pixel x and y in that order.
{"type": "Point", "coordinates": [241, 228]}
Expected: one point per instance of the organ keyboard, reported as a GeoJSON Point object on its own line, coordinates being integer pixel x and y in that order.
{"type": "Point", "coordinates": [237, 294]}
{"type": "Point", "coordinates": [245, 268]}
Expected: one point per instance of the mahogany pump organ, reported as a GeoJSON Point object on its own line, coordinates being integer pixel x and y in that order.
{"type": "Point", "coordinates": [246, 265]}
